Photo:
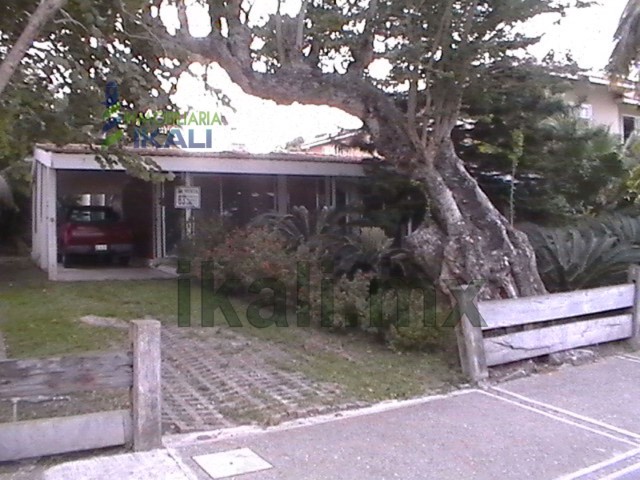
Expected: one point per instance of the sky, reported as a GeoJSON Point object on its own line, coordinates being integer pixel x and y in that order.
{"type": "Point", "coordinates": [262, 126]}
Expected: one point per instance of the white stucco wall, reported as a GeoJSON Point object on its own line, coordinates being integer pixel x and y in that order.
{"type": "Point", "coordinates": [605, 108]}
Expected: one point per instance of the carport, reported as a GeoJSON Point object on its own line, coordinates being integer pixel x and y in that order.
{"type": "Point", "coordinates": [236, 186]}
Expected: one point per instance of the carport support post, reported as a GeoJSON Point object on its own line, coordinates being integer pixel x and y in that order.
{"type": "Point", "coordinates": [146, 389]}
{"type": "Point", "coordinates": [634, 277]}
{"type": "Point", "coordinates": [51, 235]}
{"type": "Point", "coordinates": [470, 340]}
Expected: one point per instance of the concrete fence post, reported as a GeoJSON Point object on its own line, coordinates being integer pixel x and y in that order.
{"type": "Point", "coordinates": [146, 390]}
{"type": "Point", "coordinates": [634, 277]}
{"type": "Point", "coordinates": [470, 341]}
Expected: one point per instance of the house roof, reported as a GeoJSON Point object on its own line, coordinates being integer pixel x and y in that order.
{"type": "Point", "coordinates": [83, 157]}
{"type": "Point", "coordinates": [328, 138]}
{"type": "Point", "coordinates": [178, 152]}
{"type": "Point", "coordinates": [627, 90]}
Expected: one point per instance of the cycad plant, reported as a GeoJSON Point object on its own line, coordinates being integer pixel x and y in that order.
{"type": "Point", "coordinates": [588, 255]}
{"type": "Point", "coordinates": [300, 227]}
{"type": "Point", "coordinates": [369, 249]}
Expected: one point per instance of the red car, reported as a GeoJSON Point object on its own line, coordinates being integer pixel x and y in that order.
{"type": "Point", "coordinates": [95, 231]}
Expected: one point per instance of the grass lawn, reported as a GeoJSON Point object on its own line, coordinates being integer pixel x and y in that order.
{"type": "Point", "coordinates": [40, 318]}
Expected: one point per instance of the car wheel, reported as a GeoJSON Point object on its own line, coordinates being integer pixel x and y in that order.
{"type": "Point", "coordinates": [124, 261]}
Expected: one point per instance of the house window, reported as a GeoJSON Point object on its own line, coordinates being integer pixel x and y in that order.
{"type": "Point", "coordinates": [585, 111]}
{"type": "Point", "coordinates": [630, 125]}
{"type": "Point", "coordinates": [244, 197]}
{"type": "Point", "coordinates": [308, 192]}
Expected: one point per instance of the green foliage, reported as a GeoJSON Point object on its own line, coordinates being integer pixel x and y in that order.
{"type": "Point", "coordinates": [590, 254]}
{"type": "Point", "coordinates": [565, 167]}
{"type": "Point", "coordinates": [422, 328]}
{"type": "Point", "coordinates": [390, 200]}
{"type": "Point", "coordinates": [369, 249]}
{"type": "Point", "coordinates": [56, 94]}
{"type": "Point", "coordinates": [350, 305]}
{"type": "Point", "coordinates": [353, 267]}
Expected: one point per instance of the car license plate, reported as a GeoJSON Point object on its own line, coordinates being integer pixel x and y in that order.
{"type": "Point", "coordinates": [101, 248]}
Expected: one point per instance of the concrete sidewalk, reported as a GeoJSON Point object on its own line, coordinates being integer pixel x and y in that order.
{"type": "Point", "coordinates": [574, 423]}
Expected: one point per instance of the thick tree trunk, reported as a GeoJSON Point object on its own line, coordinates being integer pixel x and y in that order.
{"type": "Point", "coordinates": [466, 239]}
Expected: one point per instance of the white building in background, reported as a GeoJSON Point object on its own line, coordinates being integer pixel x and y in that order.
{"type": "Point", "coordinates": [614, 107]}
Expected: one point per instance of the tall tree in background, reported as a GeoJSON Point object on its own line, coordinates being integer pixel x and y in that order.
{"type": "Point", "coordinates": [564, 167]}
{"type": "Point", "coordinates": [626, 52]}
{"type": "Point", "coordinates": [436, 49]}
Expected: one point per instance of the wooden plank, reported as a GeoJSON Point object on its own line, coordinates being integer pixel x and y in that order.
{"type": "Point", "coordinates": [52, 436]}
{"type": "Point", "coordinates": [61, 375]}
{"type": "Point", "coordinates": [146, 392]}
{"type": "Point", "coordinates": [470, 344]}
{"type": "Point", "coordinates": [634, 277]}
{"type": "Point", "coordinates": [520, 311]}
{"type": "Point", "coordinates": [543, 341]}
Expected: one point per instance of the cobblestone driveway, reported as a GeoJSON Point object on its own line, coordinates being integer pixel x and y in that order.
{"type": "Point", "coordinates": [215, 378]}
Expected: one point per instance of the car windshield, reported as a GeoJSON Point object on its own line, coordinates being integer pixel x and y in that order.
{"type": "Point", "coordinates": [93, 215]}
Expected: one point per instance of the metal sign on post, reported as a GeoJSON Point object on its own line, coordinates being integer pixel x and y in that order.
{"type": "Point", "coordinates": [187, 197]}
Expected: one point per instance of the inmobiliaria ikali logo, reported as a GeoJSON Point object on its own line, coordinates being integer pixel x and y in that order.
{"type": "Point", "coordinates": [191, 129]}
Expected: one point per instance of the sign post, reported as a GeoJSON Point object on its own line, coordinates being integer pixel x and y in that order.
{"type": "Point", "coordinates": [187, 198]}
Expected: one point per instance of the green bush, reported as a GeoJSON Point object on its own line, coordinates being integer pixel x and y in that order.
{"type": "Point", "coordinates": [367, 260]}
{"type": "Point", "coordinates": [350, 305]}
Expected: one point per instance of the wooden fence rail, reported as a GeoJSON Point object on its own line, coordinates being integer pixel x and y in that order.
{"type": "Point", "coordinates": [138, 370]}
{"type": "Point", "coordinates": [528, 327]}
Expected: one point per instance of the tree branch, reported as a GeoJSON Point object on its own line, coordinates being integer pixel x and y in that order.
{"type": "Point", "coordinates": [302, 15]}
{"type": "Point", "coordinates": [182, 16]}
{"type": "Point", "coordinates": [45, 12]}
{"type": "Point", "coordinates": [279, 38]}
{"type": "Point", "coordinates": [364, 55]}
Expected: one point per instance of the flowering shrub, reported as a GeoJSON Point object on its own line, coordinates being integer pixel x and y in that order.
{"type": "Point", "coordinates": [254, 253]}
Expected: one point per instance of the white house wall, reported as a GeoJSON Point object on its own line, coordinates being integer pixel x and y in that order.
{"type": "Point", "coordinates": [605, 109]}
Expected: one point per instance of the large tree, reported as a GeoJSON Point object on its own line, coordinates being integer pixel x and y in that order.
{"type": "Point", "coordinates": [436, 49]}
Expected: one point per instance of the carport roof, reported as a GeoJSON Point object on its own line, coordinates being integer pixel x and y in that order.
{"type": "Point", "coordinates": [82, 157]}
{"type": "Point", "coordinates": [178, 152]}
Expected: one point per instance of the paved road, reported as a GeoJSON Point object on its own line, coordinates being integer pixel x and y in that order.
{"type": "Point", "coordinates": [577, 423]}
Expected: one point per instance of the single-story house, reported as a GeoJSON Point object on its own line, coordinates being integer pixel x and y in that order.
{"type": "Point", "coordinates": [235, 186]}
